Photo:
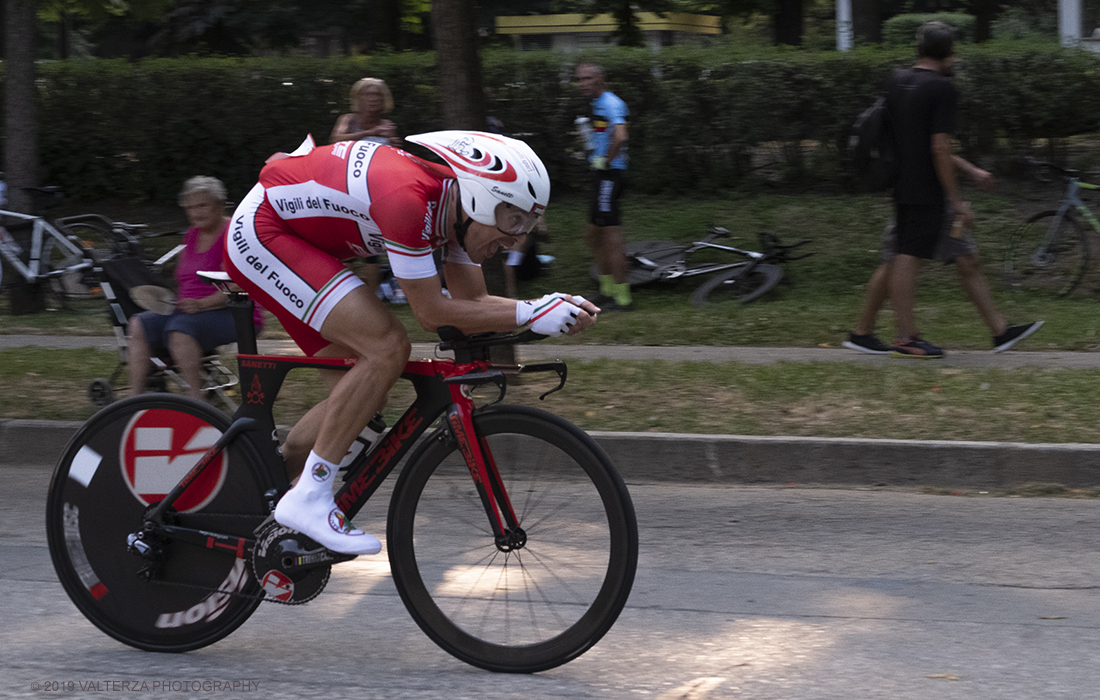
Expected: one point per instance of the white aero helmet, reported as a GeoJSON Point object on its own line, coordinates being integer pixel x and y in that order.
{"type": "Point", "coordinates": [491, 169]}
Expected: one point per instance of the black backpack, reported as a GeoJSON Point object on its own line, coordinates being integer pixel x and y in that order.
{"type": "Point", "coordinates": [871, 148]}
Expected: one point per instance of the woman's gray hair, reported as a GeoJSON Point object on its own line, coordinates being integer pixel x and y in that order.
{"type": "Point", "coordinates": [203, 183]}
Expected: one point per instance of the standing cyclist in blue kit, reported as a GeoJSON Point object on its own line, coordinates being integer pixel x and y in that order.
{"type": "Point", "coordinates": [608, 161]}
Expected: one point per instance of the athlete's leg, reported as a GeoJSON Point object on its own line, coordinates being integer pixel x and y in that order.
{"type": "Point", "coordinates": [363, 325]}
{"type": "Point", "coordinates": [359, 326]}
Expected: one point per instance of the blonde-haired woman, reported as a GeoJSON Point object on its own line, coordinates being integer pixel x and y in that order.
{"type": "Point", "coordinates": [370, 102]}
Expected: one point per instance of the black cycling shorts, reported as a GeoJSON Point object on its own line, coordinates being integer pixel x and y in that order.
{"type": "Point", "coordinates": [608, 188]}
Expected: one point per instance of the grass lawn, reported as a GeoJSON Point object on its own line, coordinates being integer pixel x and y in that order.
{"type": "Point", "coordinates": [815, 305]}
{"type": "Point", "coordinates": [816, 399]}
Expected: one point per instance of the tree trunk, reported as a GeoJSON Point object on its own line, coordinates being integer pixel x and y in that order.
{"type": "Point", "coordinates": [867, 21]}
{"type": "Point", "coordinates": [788, 22]}
{"type": "Point", "coordinates": [984, 10]}
{"type": "Point", "coordinates": [20, 125]}
{"type": "Point", "coordinates": [458, 64]}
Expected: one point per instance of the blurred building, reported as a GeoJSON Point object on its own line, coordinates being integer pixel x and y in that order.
{"type": "Point", "coordinates": [572, 32]}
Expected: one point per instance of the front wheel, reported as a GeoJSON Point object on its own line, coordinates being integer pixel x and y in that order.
{"type": "Point", "coordinates": [744, 282]}
{"type": "Point", "coordinates": [123, 460]}
{"type": "Point", "coordinates": [1047, 255]}
{"type": "Point", "coordinates": [541, 603]}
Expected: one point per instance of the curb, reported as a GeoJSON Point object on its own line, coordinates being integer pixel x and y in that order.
{"type": "Point", "coordinates": [744, 459]}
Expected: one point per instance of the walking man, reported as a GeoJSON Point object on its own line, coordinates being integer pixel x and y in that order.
{"type": "Point", "coordinates": [608, 162]}
{"type": "Point", "coordinates": [931, 219]}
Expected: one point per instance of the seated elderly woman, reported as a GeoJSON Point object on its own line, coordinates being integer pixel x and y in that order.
{"type": "Point", "coordinates": [200, 321]}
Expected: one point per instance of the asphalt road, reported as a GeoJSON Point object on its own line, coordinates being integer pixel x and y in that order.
{"type": "Point", "coordinates": [742, 592]}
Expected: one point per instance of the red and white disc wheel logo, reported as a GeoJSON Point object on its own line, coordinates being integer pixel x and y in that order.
{"type": "Point", "coordinates": [277, 585]}
{"type": "Point", "coordinates": [159, 447]}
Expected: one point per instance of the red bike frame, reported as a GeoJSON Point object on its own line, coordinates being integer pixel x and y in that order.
{"type": "Point", "coordinates": [442, 386]}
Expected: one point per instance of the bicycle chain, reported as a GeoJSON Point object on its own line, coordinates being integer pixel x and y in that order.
{"type": "Point", "coordinates": [250, 596]}
{"type": "Point", "coordinates": [250, 561]}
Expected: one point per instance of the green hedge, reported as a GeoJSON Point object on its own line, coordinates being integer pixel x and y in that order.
{"type": "Point", "coordinates": [703, 118]}
{"type": "Point", "coordinates": [901, 30]}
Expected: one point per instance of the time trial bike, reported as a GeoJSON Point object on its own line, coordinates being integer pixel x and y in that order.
{"type": "Point", "coordinates": [511, 537]}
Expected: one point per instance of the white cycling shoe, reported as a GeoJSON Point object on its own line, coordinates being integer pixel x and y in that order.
{"type": "Point", "coordinates": [310, 509]}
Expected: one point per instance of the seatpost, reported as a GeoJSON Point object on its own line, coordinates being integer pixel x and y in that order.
{"type": "Point", "coordinates": [242, 309]}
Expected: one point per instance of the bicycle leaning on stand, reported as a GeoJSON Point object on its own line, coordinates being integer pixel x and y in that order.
{"type": "Point", "coordinates": [750, 275]}
{"type": "Point", "coordinates": [1050, 252]}
{"type": "Point", "coordinates": [511, 537]}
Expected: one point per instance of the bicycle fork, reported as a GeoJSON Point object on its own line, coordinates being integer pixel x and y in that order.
{"type": "Point", "coordinates": [507, 533]}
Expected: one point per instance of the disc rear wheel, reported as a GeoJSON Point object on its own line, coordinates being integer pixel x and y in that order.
{"type": "Point", "coordinates": [123, 461]}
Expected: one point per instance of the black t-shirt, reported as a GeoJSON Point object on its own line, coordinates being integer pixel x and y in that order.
{"type": "Point", "coordinates": [922, 103]}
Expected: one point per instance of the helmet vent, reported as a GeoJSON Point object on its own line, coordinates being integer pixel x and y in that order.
{"type": "Point", "coordinates": [531, 189]}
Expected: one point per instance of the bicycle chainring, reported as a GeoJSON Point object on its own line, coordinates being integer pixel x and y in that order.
{"type": "Point", "coordinates": [670, 271]}
{"type": "Point", "coordinates": [291, 568]}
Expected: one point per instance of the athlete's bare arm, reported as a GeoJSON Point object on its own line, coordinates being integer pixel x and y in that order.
{"type": "Point", "coordinates": [470, 308]}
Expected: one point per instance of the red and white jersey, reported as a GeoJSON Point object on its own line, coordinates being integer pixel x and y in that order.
{"type": "Point", "coordinates": [360, 198]}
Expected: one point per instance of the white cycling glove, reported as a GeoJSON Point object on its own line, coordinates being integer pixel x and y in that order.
{"type": "Point", "coordinates": [549, 315]}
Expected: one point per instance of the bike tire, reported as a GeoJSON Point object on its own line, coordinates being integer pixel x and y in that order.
{"type": "Point", "coordinates": [538, 606]}
{"type": "Point", "coordinates": [78, 291]}
{"type": "Point", "coordinates": [101, 239]}
{"type": "Point", "coordinates": [663, 253]}
{"type": "Point", "coordinates": [98, 496]}
{"type": "Point", "coordinates": [1057, 269]}
{"type": "Point", "coordinates": [744, 283]}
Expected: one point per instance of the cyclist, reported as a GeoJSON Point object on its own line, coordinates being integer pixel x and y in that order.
{"type": "Point", "coordinates": [314, 208]}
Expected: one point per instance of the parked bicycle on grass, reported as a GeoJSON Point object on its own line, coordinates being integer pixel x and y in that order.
{"type": "Point", "coordinates": [1050, 252]}
{"type": "Point", "coordinates": [747, 277]}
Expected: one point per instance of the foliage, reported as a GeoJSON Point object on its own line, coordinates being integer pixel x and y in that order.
{"type": "Point", "coordinates": [901, 30]}
{"type": "Point", "coordinates": [703, 118]}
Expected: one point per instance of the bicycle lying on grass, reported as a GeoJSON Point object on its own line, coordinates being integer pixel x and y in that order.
{"type": "Point", "coordinates": [511, 537]}
{"type": "Point", "coordinates": [1050, 251]}
{"type": "Point", "coordinates": [57, 258]}
{"type": "Point", "coordinates": [747, 278]}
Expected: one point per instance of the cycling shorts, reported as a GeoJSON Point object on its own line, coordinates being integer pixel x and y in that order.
{"type": "Point", "coordinates": [605, 197]}
{"type": "Point", "coordinates": [285, 274]}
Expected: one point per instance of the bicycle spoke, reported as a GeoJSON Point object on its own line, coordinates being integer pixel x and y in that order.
{"type": "Point", "coordinates": [555, 587]}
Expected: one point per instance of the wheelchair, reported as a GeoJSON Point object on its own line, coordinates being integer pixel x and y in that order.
{"type": "Point", "coordinates": [117, 276]}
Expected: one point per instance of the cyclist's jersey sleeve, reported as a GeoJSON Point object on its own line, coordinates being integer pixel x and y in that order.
{"type": "Point", "coordinates": [608, 111]}
{"type": "Point", "coordinates": [359, 198]}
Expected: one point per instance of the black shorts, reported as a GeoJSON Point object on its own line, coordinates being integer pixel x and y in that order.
{"type": "Point", "coordinates": [924, 231]}
{"type": "Point", "coordinates": [608, 188]}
